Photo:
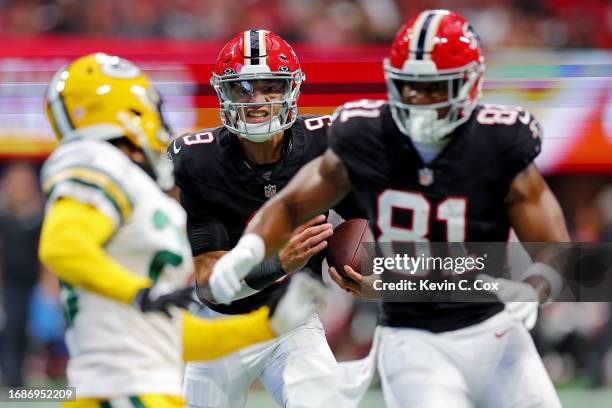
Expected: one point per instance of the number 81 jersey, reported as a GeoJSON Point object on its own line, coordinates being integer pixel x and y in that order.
{"type": "Point", "coordinates": [114, 348]}
{"type": "Point", "coordinates": [459, 196]}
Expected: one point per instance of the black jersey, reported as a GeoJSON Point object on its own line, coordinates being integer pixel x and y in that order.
{"type": "Point", "coordinates": [459, 196]}
{"type": "Point", "coordinates": [221, 190]}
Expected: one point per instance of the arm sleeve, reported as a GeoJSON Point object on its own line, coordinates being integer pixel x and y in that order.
{"type": "Point", "coordinates": [201, 336]}
{"type": "Point", "coordinates": [206, 233]}
{"type": "Point", "coordinates": [264, 274]}
{"type": "Point", "coordinates": [72, 246]}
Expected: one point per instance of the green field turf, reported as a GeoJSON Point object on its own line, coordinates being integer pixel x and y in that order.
{"type": "Point", "coordinates": [570, 398]}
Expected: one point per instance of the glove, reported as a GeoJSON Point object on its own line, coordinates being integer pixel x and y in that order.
{"type": "Point", "coordinates": [520, 299]}
{"type": "Point", "coordinates": [231, 268]}
{"type": "Point", "coordinates": [148, 302]}
{"type": "Point", "coordinates": [302, 299]}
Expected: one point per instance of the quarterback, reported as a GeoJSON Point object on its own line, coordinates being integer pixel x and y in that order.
{"type": "Point", "coordinates": [225, 175]}
{"type": "Point", "coordinates": [118, 244]}
{"type": "Point", "coordinates": [432, 164]}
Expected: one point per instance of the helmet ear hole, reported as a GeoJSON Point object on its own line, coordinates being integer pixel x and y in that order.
{"type": "Point", "coordinates": [136, 112]}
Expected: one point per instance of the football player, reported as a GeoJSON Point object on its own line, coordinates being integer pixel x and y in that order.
{"type": "Point", "coordinates": [118, 244]}
{"type": "Point", "coordinates": [432, 164]}
{"type": "Point", "coordinates": [225, 175]}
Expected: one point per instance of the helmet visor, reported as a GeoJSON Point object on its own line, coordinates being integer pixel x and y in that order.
{"type": "Point", "coordinates": [426, 92]}
{"type": "Point", "coordinates": [244, 91]}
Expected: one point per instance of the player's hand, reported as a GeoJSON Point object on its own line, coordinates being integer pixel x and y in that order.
{"type": "Point", "coordinates": [147, 301]}
{"type": "Point", "coordinates": [356, 284]}
{"type": "Point", "coordinates": [302, 299]}
{"type": "Point", "coordinates": [307, 240]}
{"type": "Point", "coordinates": [521, 299]}
{"type": "Point", "coordinates": [229, 271]}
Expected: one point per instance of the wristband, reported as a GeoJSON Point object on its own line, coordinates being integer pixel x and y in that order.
{"type": "Point", "coordinates": [549, 274]}
{"type": "Point", "coordinates": [264, 274]}
{"type": "Point", "coordinates": [254, 245]}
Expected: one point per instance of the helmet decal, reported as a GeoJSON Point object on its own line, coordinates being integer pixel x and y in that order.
{"type": "Point", "coordinates": [471, 35]}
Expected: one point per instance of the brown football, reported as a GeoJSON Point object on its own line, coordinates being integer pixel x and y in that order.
{"type": "Point", "coordinates": [344, 247]}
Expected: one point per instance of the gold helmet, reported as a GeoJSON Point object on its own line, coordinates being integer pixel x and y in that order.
{"type": "Point", "coordinates": [104, 97]}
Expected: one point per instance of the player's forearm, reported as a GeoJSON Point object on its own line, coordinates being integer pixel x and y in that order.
{"type": "Point", "coordinates": [274, 223]}
{"type": "Point", "coordinates": [318, 186]}
{"type": "Point", "coordinates": [537, 218]}
{"type": "Point", "coordinates": [201, 337]}
{"type": "Point", "coordinates": [71, 246]}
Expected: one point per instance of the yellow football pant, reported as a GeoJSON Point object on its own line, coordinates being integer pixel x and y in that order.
{"type": "Point", "coordinates": [140, 401]}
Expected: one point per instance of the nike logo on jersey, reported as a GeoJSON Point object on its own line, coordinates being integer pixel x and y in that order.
{"type": "Point", "coordinates": [503, 332]}
{"type": "Point", "coordinates": [175, 149]}
{"type": "Point", "coordinates": [525, 117]}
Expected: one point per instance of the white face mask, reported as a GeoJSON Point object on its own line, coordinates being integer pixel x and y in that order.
{"type": "Point", "coordinates": [423, 126]}
{"type": "Point", "coordinates": [259, 132]}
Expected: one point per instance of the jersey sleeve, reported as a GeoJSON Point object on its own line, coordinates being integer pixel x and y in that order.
{"type": "Point", "coordinates": [181, 176]}
{"type": "Point", "coordinates": [354, 138]}
{"type": "Point", "coordinates": [206, 233]}
{"type": "Point", "coordinates": [339, 139]}
{"type": "Point", "coordinates": [91, 174]}
{"type": "Point", "coordinates": [524, 143]}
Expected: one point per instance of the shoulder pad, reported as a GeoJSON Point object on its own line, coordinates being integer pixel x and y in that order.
{"type": "Point", "coordinates": [91, 171]}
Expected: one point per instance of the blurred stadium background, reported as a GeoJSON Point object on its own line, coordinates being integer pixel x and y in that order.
{"type": "Point", "coordinates": [551, 56]}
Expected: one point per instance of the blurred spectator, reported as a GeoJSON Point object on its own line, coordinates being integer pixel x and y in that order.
{"type": "Point", "coordinates": [20, 222]}
{"type": "Point", "coordinates": [558, 23]}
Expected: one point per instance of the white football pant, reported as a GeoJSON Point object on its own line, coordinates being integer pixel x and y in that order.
{"type": "Point", "coordinates": [490, 364]}
{"type": "Point", "coordinates": [225, 383]}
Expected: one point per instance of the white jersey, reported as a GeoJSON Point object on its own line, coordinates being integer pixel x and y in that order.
{"type": "Point", "coordinates": [114, 348]}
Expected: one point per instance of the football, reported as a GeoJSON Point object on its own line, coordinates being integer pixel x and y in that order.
{"type": "Point", "coordinates": [344, 247]}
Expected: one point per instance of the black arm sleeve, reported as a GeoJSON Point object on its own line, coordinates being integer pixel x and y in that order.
{"type": "Point", "coordinates": [264, 274]}
{"type": "Point", "coordinates": [206, 233]}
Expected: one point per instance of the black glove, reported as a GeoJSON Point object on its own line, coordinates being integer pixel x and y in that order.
{"type": "Point", "coordinates": [180, 298]}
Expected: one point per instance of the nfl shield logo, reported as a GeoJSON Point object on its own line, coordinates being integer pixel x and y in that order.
{"type": "Point", "coordinates": [426, 176]}
{"type": "Point", "coordinates": [269, 190]}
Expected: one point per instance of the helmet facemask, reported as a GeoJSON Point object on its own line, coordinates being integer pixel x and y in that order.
{"type": "Point", "coordinates": [240, 116]}
{"type": "Point", "coordinates": [156, 156]}
{"type": "Point", "coordinates": [421, 122]}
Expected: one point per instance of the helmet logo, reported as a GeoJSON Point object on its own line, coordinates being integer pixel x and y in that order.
{"type": "Point", "coordinates": [229, 71]}
{"type": "Point", "coordinates": [470, 34]}
{"type": "Point", "coordinates": [116, 67]}
{"type": "Point", "coordinates": [79, 113]}
{"type": "Point", "coordinates": [283, 68]}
